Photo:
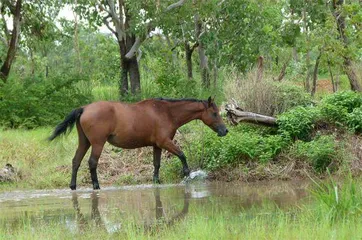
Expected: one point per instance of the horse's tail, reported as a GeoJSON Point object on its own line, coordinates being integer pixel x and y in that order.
{"type": "Point", "coordinates": [68, 123]}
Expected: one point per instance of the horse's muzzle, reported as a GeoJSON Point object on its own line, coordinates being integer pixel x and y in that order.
{"type": "Point", "coordinates": [222, 131]}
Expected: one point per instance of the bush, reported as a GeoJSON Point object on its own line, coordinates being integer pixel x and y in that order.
{"type": "Point", "coordinates": [354, 120]}
{"type": "Point", "coordinates": [320, 152]}
{"type": "Point", "coordinates": [36, 102]}
{"type": "Point", "coordinates": [298, 122]}
{"type": "Point", "coordinates": [171, 82]}
{"type": "Point", "coordinates": [346, 99]}
{"type": "Point", "coordinates": [241, 146]}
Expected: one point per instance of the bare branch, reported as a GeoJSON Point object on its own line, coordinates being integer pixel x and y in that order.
{"type": "Point", "coordinates": [116, 20]}
{"type": "Point", "coordinates": [6, 30]}
{"type": "Point", "coordinates": [105, 21]}
{"type": "Point", "coordinates": [196, 44]}
{"type": "Point", "coordinates": [139, 55]}
{"type": "Point", "coordinates": [175, 5]}
{"type": "Point", "coordinates": [134, 48]}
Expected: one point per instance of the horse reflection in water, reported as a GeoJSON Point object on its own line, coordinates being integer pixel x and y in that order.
{"type": "Point", "coordinates": [161, 219]}
{"type": "Point", "coordinates": [84, 223]}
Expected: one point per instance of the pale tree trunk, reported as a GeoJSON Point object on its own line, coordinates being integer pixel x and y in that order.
{"type": "Point", "coordinates": [334, 85]}
{"type": "Point", "coordinates": [76, 40]}
{"type": "Point", "coordinates": [6, 67]}
{"type": "Point", "coordinates": [235, 115]}
{"type": "Point", "coordinates": [204, 67]}
{"type": "Point", "coordinates": [260, 70]}
{"type": "Point", "coordinates": [307, 58]}
{"type": "Point", "coordinates": [216, 73]}
{"type": "Point", "coordinates": [284, 69]}
{"type": "Point", "coordinates": [315, 74]}
{"type": "Point", "coordinates": [295, 54]}
{"type": "Point", "coordinates": [347, 63]}
{"type": "Point", "coordinates": [174, 56]}
{"type": "Point", "coordinates": [188, 55]}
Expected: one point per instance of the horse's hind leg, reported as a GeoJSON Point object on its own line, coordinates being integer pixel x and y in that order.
{"type": "Point", "coordinates": [83, 146]}
{"type": "Point", "coordinates": [93, 163]}
{"type": "Point", "coordinates": [156, 163]}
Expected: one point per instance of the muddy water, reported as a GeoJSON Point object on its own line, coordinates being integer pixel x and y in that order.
{"type": "Point", "coordinates": [146, 205]}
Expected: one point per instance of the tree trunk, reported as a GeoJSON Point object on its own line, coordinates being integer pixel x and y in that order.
{"type": "Point", "coordinates": [188, 53]}
{"type": "Point", "coordinates": [123, 81]}
{"type": "Point", "coordinates": [236, 115]}
{"type": "Point", "coordinates": [5, 69]}
{"type": "Point", "coordinates": [134, 75]}
{"type": "Point", "coordinates": [307, 57]}
{"type": "Point", "coordinates": [347, 63]}
{"type": "Point", "coordinates": [295, 54]}
{"type": "Point", "coordinates": [133, 69]}
{"type": "Point", "coordinates": [315, 74]}
{"type": "Point", "coordinates": [307, 84]}
{"type": "Point", "coordinates": [283, 70]}
{"type": "Point", "coordinates": [215, 70]}
{"type": "Point", "coordinates": [204, 68]}
{"type": "Point", "coordinates": [260, 70]}
{"type": "Point", "coordinates": [334, 86]}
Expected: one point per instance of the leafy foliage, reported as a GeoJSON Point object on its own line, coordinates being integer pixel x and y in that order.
{"type": "Point", "coordinates": [319, 152]}
{"type": "Point", "coordinates": [36, 103]}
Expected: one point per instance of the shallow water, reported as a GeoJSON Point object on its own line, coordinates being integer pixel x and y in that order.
{"type": "Point", "coordinates": [145, 205]}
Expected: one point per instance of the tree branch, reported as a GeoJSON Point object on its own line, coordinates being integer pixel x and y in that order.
{"type": "Point", "coordinates": [150, 27]}
{"type": "Point", "coordinates": [175, 5]}
{"type": "Point", "coordinates": [236, 115]}
{"type": "Point", "coordinates": [134, 48]}
{"type": "Point", "coordinates": [6, 30]}
{"type": "Point", "coordinates": [116, 20]}
{"type": "Point", "coordinates": [105, 21]}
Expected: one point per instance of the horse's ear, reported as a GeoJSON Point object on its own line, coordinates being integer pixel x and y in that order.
{"type": "Point", "coordinates": [209, 101]}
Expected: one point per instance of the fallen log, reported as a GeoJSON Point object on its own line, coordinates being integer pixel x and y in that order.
{"type": "Point", "coordinates": [235, 115]}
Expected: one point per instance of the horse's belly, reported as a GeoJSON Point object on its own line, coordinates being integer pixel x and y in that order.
{"type": "Point", "coordinates": [129, 142]}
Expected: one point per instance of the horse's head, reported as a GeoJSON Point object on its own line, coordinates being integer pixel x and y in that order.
{"type": "Point", "coordinates": [211, 117]}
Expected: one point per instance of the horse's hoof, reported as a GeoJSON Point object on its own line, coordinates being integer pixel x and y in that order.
{"type": "Point", "coordinates": [96, 187]}
{"type": "Point", "coordinates": [186, 172]}
{"type": "Point", "coordinates": [73, 187]}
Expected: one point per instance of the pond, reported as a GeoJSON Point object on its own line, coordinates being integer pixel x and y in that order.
{"type": "Point", "coordinates": [111, 208]}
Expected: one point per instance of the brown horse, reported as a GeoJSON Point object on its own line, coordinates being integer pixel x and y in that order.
{"type": "Point", "coordinates": [150, 122]}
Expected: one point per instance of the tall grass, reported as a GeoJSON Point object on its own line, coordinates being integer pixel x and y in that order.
{"type": "Point", "coordinates": [263, 96]}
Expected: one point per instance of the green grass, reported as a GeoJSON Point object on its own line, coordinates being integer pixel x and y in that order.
{"type": "Point", "coordinates": [42, 164]}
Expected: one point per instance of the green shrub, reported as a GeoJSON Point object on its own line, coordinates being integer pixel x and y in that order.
{"type": "Point", "coordinates": [320, 152]}
{"type": "Point", "coordinates": [171, 81]}
{"type": "Point", "coordinates": [354, 120]}
{"type": "Point", "coordinates": [238, 147]}
{"type": "Point", "coordinates": [333, 113]}
{"type": "Point", "coordinates": [36, 102]}
{"type": "Point", "coordinates": [345, 99]}
{"type": "Point", "coordinates": [297, 122]}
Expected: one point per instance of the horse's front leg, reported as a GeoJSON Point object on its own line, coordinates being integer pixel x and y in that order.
{"type": "Point", "coordinates": [172, 148]}
{"type": "Point", "coordinates": [156, 163]}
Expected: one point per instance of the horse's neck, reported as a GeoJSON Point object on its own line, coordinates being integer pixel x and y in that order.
{"type": "Point", "coordinates": [185, 111]}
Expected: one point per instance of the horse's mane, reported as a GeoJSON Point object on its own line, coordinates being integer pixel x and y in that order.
{"type": "Point", "coordinates": [179, 100]}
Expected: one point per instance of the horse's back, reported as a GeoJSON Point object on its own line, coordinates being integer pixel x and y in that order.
{"type": "Point", "coordinates": [124, 125]}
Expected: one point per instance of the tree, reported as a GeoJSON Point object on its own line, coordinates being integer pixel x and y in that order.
{"type": "Point", "coordinates": [132, 23]}
{"type": "Point", "coordinates": [12, 42]}
{"type": "Point", "coordinates": [347, 63]}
